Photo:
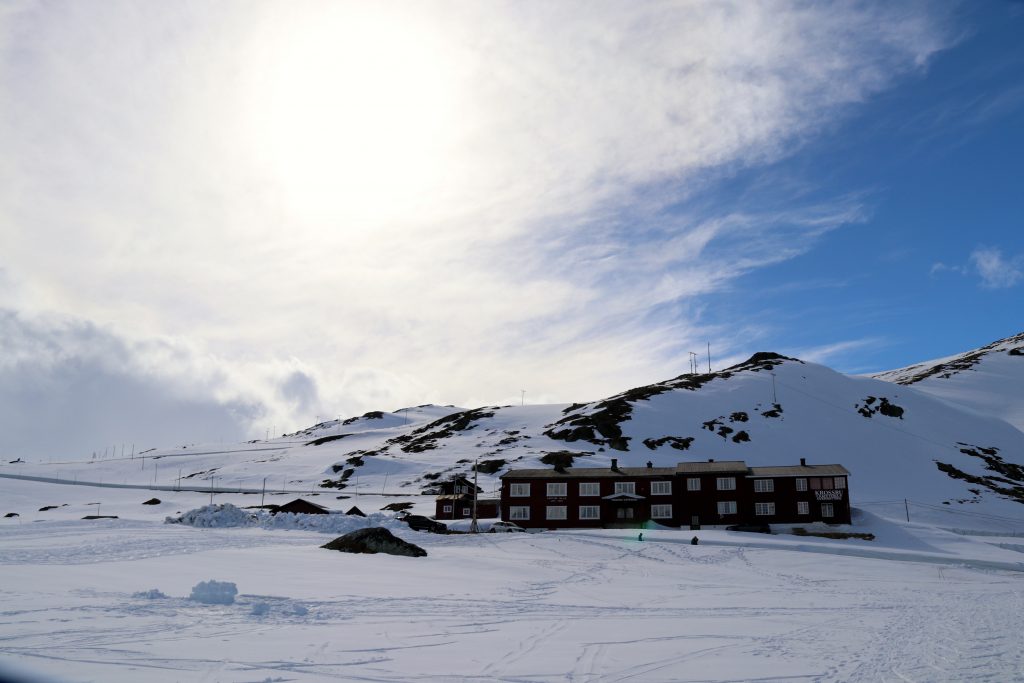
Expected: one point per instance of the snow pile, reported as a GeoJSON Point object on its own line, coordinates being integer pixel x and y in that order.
{"type": "Point", "coordinates": [151, 594]}
{"type": "Point", "coordinates": [210, 516]}
{"type": "Point", "coordinates": [227, 515]}
{"type": "Point", "coordinates": [260, 609]}
{"type": "Point", "coordinates": [214, 592]}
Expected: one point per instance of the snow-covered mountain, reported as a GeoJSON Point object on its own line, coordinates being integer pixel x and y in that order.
{"type": "Point", "coordinates": [989, 380]}
{"type": "Point", "coordinates": [899, 436]}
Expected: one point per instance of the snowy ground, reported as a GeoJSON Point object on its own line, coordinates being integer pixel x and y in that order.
{"type": "Point", "coordinates": [924, 605]}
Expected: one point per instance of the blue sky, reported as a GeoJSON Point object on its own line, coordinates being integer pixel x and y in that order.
{"type": "Point", "coordinates": [220, 218]}
{"type": "Point", "coordinates": [937, 164]}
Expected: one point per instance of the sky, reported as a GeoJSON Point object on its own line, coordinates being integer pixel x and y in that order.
{"type": "Point", "coordinates": [219, 220]}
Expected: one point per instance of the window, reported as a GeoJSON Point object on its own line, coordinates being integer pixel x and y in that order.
{"type": "Point", "coordinates": [557, 490]}
{"type": "Point", "coordinates": [556, 512]}
{"type": "Point", "coordinates": [764, 485]}
{"type": "Point", "coordinates": [801, 484]}
{"type": "Point", "coordinates": [819, 483]}
{"type": "Point", "coordinates": [461, 489]}
{"type": "Point", "coordinates": [466, 512]}
{"type": "Point", "coordinates": [693, 484]}
{"type": "Point", "coordinates": [661, 488]}
{"type": "Point", "coordinates": [519, 512]}
{"type": "Point", "coordinates": [840, 482]}
{"type": "Point", "coordinates": [590, 512]}
{"type": "Point", "coordinates": [447, 508]}
{"type": "Point", "coordinates": [661, 512]}
{"type": "Point", "coordinates": [590, 488]}
{"type": "Point", "coordinates": [826, 510]}
{"type": "Point", "coordinates": [519, 491]}
{"type": "Point", "coordinates": [727, 507]}
{"type": "Point", "coordinates": [727, 483]}
{"type": "Point", "coordinates": [803, 508]}
{"type": "Point", "coordinates": [764, 509]}
{"type": "Point", "coordinates": [625, 487]}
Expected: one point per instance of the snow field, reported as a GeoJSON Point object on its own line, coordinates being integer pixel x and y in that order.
{"type": "Point", "coordinates": [577, 606]}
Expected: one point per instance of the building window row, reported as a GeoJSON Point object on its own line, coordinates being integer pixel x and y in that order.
{"type": "Point", "coordinates": [663, 511]}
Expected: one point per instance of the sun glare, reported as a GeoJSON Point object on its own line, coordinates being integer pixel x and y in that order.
{"type": "Point", "coordinates": [356, 114]}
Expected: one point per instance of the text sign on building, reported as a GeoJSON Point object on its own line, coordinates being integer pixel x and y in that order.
{"type": "Point", "coordinates": [828, 495]}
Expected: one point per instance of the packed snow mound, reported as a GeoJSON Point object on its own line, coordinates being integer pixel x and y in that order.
{"type": "Point", "coordinates": [227, 515]}
{"type": "Point", "coordinates": [214, 592]}
{"type": "Point", "coordinates": [214, 516]}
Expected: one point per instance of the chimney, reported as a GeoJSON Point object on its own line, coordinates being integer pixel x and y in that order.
{"type": "Point", "coordinates": [803, 462]}
{"type": "Point", "coordinates": [615, 464]}
{"type": "Point", "coordinates": [650, 465]}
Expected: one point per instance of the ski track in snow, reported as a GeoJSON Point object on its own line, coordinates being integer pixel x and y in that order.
{"type": "Point", "coordinates": [547, 607]}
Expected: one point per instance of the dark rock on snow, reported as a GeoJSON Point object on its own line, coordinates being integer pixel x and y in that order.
{"type": "Point", "coordinates": [374, 540]}
{"type": "Point", "coordinates": [152, 501]}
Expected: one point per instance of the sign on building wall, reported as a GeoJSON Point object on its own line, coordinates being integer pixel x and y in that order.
{"type": "Point", "coordinates": [828, 495]}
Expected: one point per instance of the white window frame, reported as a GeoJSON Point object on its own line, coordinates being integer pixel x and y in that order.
{"type": "Point", "coordinates": [661, 511]}
{"type": "Point", "coordinates": [519, 490]}
{"type": "Point", "coordinates": [590, 512]}
{"type": "Point", "coordinates": [466, 512]}
{"type": "Point", "coordinates": [839, 482]}
{"type": "Point", "coordinates": [446, 508]}
{"type": "Point", "coordinates": [519, 512]}
{"type": "Point", "coordinates": [726, 483]}
{"type": "Point", "coordinates": [625, 487]}
{"type": "Point", "coordinates": [801, 483]}
{"type": "Point", "coordinates": [726, 507]}
{"type": "Point", "coordinates": [693, 484]}
{"type": "Point", "coordinates": [556, 512]}
{"type": "Point", "coordinates": [764, 509]}
{"type": "Point", "coordinates": [558, 489]}
{"type": "Point", "coordinates": [803, 507]}
{"type": "Point", "coordinates": [590, 488]}
{"type": "Point", "coordinates": [661, 488]}
{"type": "Point", "coordinates": [764, 486]}
{"type": "Point", "coordinates": [827, 510]}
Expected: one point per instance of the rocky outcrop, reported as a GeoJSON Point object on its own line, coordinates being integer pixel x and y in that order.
{"type": "Point", "coordinates": [374, 540]}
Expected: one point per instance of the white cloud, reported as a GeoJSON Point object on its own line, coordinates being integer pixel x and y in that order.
{"type": "Point", "coordinates": [411, 202]}
{"type": "Point", "coordinates": [996, 271]}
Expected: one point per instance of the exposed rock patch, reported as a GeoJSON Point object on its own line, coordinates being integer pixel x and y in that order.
{"type": "Point", "coordinates": [372, 541]}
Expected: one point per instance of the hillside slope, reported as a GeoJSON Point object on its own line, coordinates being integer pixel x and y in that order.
{"type": "Point", "coordinates": [898, 441]}
{"type": "Point", "coordinates": [989, 380]}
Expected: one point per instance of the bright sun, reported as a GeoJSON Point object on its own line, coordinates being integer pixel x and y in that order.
{"type": "Point", "coordinates": [355, 113]}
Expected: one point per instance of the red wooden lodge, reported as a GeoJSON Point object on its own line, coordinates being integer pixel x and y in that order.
{"type": "Point", "coordinates": [690, 494]}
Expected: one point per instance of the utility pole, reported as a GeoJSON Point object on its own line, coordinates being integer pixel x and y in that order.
{"type": "Point", "coordinates": [709, 358]}
{"type": "Point", "coordinates": [264, 491]}
{"type": "Point", "coordinates": [476, 473]}
{"type": "Point", "coordinates": [774, 399]}
{"type": "Point", "coordinates": [906, 506]}
{"type": "Point", "coordinates": [522, 398]}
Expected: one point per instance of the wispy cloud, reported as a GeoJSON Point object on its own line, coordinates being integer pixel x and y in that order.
{"type": "Point", "coordinates": [500, 195]}
{"type": "Point", "coordinates": [994, 270]}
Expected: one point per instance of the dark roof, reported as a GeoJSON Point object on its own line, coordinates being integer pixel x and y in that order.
{"type": "Point", "coordinates": [799, 471]}
{"type": "Point", "coordinates": [303, 506]}
{"type": "Point", "coordinates": [589, 472]}
{"type": "Point", "coordinates": [711, 467]}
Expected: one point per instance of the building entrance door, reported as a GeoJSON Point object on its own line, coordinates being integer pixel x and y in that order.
{"type": "Point", "coordinates": [695, 522]}
{"type": "Point", "coordinates": [625, 513]}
